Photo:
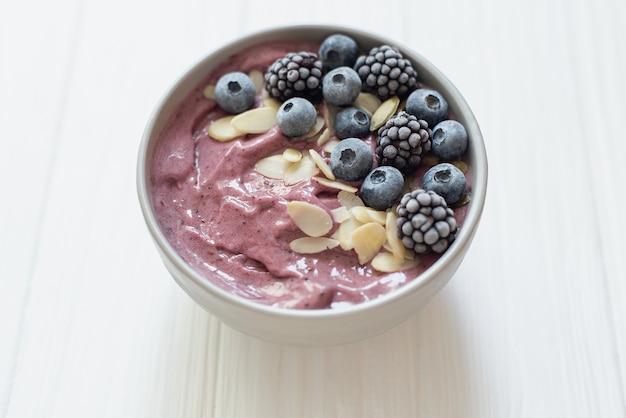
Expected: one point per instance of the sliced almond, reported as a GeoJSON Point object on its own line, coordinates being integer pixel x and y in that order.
{"type": "Point", "coordinates": [324, 137]}
{"type": "Point", "coordinates": [300, 171]}
{"type": "Point", "coordinates": [312, 245]}
{"type": "Point", "coordinates": [367, 102]}
{"type": "Point", "coordinates": [365, 215]}
{"type": "Point", "coordinates": [334, 184]}
{"type": "Point", "coordinates": [430, 159]}
{"type": "Point", "coordinates": [255, 121]}
{"type": "Point", "coordinates": [209, 92]}
{"type": "Point", "coordinates": [386, 110]}
{"type": "Point", "coordinates": [257, 78]}
{"type": "Point", "coordinates": [330, 145]}
{"type": "Point", "coordinates": [393, 240]}
{"type": "Point", "coordinates": [271, 102]}
{"type": "Point", "coordinates": [368, 239]}
{"type": "Point", "coordinates": [273, 167]}
{"type": "Point", "coordinates": [388, 263]}
{"type": "Point", "coordinates": [321, 164]}
{"type": "Point", "coordinates": [330, 112]}
{"type": "Point", "coordinates": [340, 214]}
{"type": "Point", "coordinates": [349, 200]}
{"type": "Point", "coordinates": [223, 130]}
{"type": "Point", "coordinates": [292, 155]}
{"type": "Point", "coordinates": [344, 232]}
{"type": "Point", "coordinates": [461, 165]}
{"type": "Point", "coordinates": [311, 219]}
{"type": "Point", "coordinates": [317, 128]}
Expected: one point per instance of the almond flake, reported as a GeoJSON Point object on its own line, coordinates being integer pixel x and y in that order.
{"type": "Point", "coordinates": [300, 171]}
{"type": "Point", "coordinates": [461, 165]}
{"type": "Point", "coordinates": [388, 263]}
{"type": "Point", "coordinates": [319, 124]}
{"type": "Point", "coordinates": [393, 240]}
{"type": "Point", "coordinates": [340, 214]}
{"type": "Point", "coordinates": [257, 79]}
{"type": "Point", "coordinates": [330, 145]}
{"type": "Point", "coordinates": [321, 163]}
{"type": "Point", "coordinates": [209, 92]}
{"type": "Point", "coordinates": [333, 184]}
{"type": "Point", "coordinates": [367, 102]}
{"type": "Point", "coordinates": [311, 219]}
{"type": "Point", "coordinates": [273, 167]}
{"type": "Point", "coordinates": [384, 112]}
{"type": "Point", "coordinates": [312, 245]}
{"type": "Point", "coordinates": [223, 130]}
{"type": "Point", "coordinates": [292, 155]}
{"type": "Point", "coordinates": [324, 137]}
{"type": "Point", "coordinates": [368, 239]}
{"type": "Point", "coordinates": [330, 112]}
{"type": "Point", "coordinates": [344, 232]}
{"type": "Point", "coordinates": [255, 121]}
{"type": "Point", "coordinates": [271, 102]}
{"type": "Point", "coordinates": [365, 215]}
{"type": "Point", "coordinates": [430, 159]}
{"type": "Point", "coordinates": [349, 200]}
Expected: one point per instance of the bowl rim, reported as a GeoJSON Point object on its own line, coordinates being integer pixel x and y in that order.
{"type": "Point", "coordinates": [458, 247]}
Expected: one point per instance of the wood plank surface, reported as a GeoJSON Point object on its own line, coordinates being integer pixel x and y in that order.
{"type": "Point", "coordinates": [532, 325]}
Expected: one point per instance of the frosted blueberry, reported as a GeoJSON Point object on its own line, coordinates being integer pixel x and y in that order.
{"type": "Point", "coordinates": [449, 140]}
{"type": "Point", "coordinates": [382, 187]}
{"type": "Point", "coordinates": [338, 50]}
{"type": "Point", "coordinates": [351, 122]}
{"type": "Point", "coordinates": [447, 181]}
{"type": "Point", "coordinates": [235, 92]}
{"type": "Point", "coordinates": [351, 159]}
{"type": "Point", "coordinates": [296, 117]}
{"type": "Point", "coordinates": [427, 104]}
{"type": "Point", "coordinates": [341, 86]}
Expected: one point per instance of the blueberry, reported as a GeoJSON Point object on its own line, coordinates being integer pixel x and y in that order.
{"type": "Point", "coordinates": [428, 105]}
{"type": "Point", "coordinates": [338, 50]}
{"type": "Point", "coordinates": [296, 117]}
{"type": "Point", "coordinates": [235, 92]}
{"type": "Point", "coordinates": [351, 122]}
{"type": "Point", "coordinates": [382, 187]}
{"type": "Point", "coordinates": [449, 140]}
{"type": "Point", "coordinates": [351, 159]}
{"type": "Point", "coordinates": [447, 181]}
{"type": "Point", "coordinates": [341, 86]}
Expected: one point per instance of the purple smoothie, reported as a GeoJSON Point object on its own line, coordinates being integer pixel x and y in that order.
{"type": "Point", "coordinates": [231, 224]}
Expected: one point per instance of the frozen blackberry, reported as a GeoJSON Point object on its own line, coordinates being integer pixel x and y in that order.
{"type": "Point", "coordinates": [297, 74]}
{"type": "Point", "coordinates": [425, 222]}
{"type": "Point", "coordinates": [402, 141]}
{"type": "Point", "coordinates": [385, 72]}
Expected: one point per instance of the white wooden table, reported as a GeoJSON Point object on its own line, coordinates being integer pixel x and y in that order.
{"type": "Point", "coordinates": [532, 325]}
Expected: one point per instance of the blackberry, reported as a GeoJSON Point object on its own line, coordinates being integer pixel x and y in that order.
{"type": "Point", "coordinates": [297, 74]}
{"type": "Point", "coordinates": [425, 222]}
{"type": "Point", "coordinates": [385, 72]}
{"type": "Point", "coordinates": [402, 141]}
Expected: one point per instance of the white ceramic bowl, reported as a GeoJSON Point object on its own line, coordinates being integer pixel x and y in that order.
{"type": "Point", "coordinates": [328, 326]}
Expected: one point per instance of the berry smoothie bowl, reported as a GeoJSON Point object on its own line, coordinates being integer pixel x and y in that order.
{"type": "Point", "coordinates": [312, 185]}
